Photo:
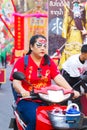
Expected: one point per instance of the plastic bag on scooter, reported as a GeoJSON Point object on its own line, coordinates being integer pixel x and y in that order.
{"type": "Point", "coordinates": [71, 118]}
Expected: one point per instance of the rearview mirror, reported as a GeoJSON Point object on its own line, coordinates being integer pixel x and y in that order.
{"type": "Point", "coordinates": [18, 75]}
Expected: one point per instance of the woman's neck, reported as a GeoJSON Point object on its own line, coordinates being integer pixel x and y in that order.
{"type": "Point", "coordinates": [36, 59]}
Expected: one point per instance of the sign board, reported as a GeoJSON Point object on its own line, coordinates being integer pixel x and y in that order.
{"type": "Point", "coordinates": [2, 75]}
{"type": "Point", "coordinates": [55, 12]}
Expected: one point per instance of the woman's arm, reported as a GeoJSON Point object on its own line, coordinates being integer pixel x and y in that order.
{"type": "Point", "coordinates": [60, 80]}
{"type": "Point", "coordinates": [17, 85]}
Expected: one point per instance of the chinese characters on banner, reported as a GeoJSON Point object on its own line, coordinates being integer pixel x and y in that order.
{"type": "Point", "coordinates": [33, 26]}
{"type": "Point", "coordinates": [55, 16]}
{"type": "Point", "coordinates": [19, 35]}
{"type": "Point", "coordinates": [55, 24]}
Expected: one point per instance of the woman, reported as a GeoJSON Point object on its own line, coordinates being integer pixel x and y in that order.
{"type": "Point", "coordinates": [39, 72]}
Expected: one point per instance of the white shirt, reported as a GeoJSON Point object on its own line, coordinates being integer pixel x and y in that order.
{"type": "Point", "coordinates": [74, 67]}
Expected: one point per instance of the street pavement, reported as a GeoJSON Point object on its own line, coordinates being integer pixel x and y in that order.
{"type": "Point", "coordinates": [6, 100]}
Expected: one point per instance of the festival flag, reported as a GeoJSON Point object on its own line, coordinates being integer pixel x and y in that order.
{"type": "Point", "coordinates": [7, 29]}
{"type": "Point", "coordinates": [19, 35]}
{"type": "Point", "coordinates": [36, 23]}
{"type": "Point", "coordinates": [6, 10]}
{"type": "Point", "coordinates": [27, 26]}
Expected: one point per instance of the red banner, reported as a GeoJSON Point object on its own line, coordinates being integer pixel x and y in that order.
{"type": "Point", "coordinates": [19, 32]}
{"type": "Point", "coordinates": [19, 35]}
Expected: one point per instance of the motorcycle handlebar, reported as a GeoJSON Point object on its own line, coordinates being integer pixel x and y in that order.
{"type": "Point", "coordinates": [36, 96]}
{"type": "Point", "coordinates": [32, 96]}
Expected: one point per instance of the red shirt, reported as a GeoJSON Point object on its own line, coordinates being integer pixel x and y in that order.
{"type": "Point", "coordinates": [48, 72]}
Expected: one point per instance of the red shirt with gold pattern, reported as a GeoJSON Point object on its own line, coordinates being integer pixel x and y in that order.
{"type": "Point", "coordinates": [37, 76]}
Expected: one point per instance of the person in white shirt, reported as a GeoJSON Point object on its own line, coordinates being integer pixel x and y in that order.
{"type": "Point", "coordinates": [74, 67]}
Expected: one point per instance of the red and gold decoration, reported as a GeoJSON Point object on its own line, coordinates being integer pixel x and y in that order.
{"type": "Point", "coordinates": [19, 35]}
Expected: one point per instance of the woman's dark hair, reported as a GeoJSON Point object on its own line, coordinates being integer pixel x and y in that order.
{"type": "Point", "coordinates": [84, 48]}
{"type": "Point", "coordinates": [47, 60]}
{"type": "Point", "coordinates": [33, 40]}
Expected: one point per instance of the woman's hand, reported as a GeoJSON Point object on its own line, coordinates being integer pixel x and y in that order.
{"type": "Point", "coordinates": [25, 93]}
{"type": "Point", "coordinates": [76, 94]}
{"type": "Point", "coordinates": [84, 31]}
{"type": "Point", "coordinates": [19, 88]}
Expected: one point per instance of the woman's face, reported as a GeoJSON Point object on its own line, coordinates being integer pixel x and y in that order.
{"type": "Point", "coordinates": [40, 47]}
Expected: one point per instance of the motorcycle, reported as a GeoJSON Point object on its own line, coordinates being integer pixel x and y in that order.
{"type": "Point", "coordinates": [54, 116]}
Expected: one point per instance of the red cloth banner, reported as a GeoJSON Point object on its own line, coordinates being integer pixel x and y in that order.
{"type": "Point", "coordinates": [19, 32]}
